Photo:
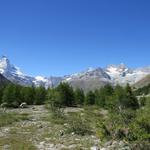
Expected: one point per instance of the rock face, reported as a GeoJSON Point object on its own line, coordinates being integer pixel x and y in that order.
{"type": "Point", "coordinates": [143, 82]}
{"type": "Point", "coordinates": [3, 80]}
{"type": "Point", "coordinates": [89, 79]}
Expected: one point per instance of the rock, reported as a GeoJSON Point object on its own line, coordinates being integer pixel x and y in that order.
{"type": "Point", "coordinates": [65, 124]}
{"type": "Point", "coordinates": [114, 143]}
{"type": "Point", "coordinates": [61, 133]}
{"type": "Point", "coordinates": [95, 148]}
{"type": "Point", "coordinates": [6, 147]}
{"type": "Point", "coordinates": [72, 146]}
{"type": "Point", "coordinates": [103, 149]}
{"type": "Point", "coordinates": [40, 126]}
{"type": "Point", "coordinates": [108, 143]}
{"type": "Point", "coordinates": [23, 105]}
{"type": "Point", "coordinates": [121, 143]}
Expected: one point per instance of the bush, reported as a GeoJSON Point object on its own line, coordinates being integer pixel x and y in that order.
{"type": "Point", "coordinates": [78, 125]}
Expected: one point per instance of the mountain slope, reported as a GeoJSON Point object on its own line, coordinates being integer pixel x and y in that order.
{"type": "Point", "coordinates": [143, 82]}
{"type": "Point", "coordinates": [3, 80]}
{"type": "Point", "coordinates": [89, 79]}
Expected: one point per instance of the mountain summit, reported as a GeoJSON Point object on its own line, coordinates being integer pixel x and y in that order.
{"type": "Point", "coordinates": [15, 75]}
{"type": "Point", "coordinates": [89, 79]}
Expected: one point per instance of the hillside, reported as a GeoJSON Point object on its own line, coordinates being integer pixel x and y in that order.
{"type": "Point", "coordinates": [3, 80]}
{"type": "Point", "coordinates": [143, 82]}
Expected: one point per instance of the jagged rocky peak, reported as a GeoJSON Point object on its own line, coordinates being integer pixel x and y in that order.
{"type": "Point", "coordinates": [116, 68]}
{"type": "Point", "coordinates": [15, 75]}
{"type": "Point", "coordinates": [97, 72]}
{"type": "Point", "coordinates": [7, 68]}
{"type": "Point", "coordinates": [88, 74]}
{"type": "Point", "coordinates": [4, 62]}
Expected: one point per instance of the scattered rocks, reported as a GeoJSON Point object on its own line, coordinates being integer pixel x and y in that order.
{"type": "Point", "coordinates": [6, 147]}
{"type": "Point", "coordinates": [55, 140]}
{"type": "Point", "coordinates": [95, 148]}
{"type": "Point", "coordinates": [116, 145]}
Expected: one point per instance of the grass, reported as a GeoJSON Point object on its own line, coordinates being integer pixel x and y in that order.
{"type": "Point", "coordinates": [78, 128]}
{"type": "Point", "coordinates": [7, 118]}
{"type": "Point", "coordinates": [15, 142]}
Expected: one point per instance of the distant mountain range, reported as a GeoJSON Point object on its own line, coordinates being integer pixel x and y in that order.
{"type": "Point", "coordinates": [89, 79]}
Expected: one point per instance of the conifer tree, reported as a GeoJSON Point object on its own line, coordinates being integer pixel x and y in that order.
{"type": "Point", "coordinates": [79, 96]}
{"type": "Point", "coordinates": [40, 95]}
{"type": "Point", "coordinates": [90, 98]}
{"type": "Point", "coordinates": [66, 93]}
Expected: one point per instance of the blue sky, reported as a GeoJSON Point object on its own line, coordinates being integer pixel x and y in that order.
{"type": "Point", "coordinates": [58, 37]}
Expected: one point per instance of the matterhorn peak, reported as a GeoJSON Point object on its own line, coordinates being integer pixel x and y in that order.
{"type": "Point", "coordinates": [4, 64]}
{"type": "Point", "coordinates": [5, 59]}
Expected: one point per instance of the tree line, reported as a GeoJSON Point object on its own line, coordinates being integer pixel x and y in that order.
{"type": "Point", "coordinates": [144, 90]}
{"type": "Point", "coordinates": [65, 96]}
{"type": "Point", "coordinates": [13, 95]}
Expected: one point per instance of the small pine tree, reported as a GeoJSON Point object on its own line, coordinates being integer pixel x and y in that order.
{"type": "Point", "coordinates": [79, 96]}
{"type": "Point", "coordinates": [90, 98]}
{"type": "Point", "coordinates": [54, 98]}
{"type": "Point", "coordinates": [9, 95]}
{"type": "Point", "coordinates": [67, 94]}
{"type": "Point", "coordinates": [28, 95]}
{"type": "Point", "coordinates": [40, 95]}
{"type": "Point", "coordinates": [128, 99]}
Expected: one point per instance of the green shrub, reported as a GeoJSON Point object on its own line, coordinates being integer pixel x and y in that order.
{"type": "Point", "coordinates": [78, 125]}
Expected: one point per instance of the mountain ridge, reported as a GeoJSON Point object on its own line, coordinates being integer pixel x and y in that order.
{"type": "Point", "coordinates": [89, 79]}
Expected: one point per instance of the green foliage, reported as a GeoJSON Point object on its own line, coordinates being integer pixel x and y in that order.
{"type": "Point", "coordinates": [9, 118]}
{"type": "Point", "coordinates": [66, 94]}
{"type": "Point", "coordinates": [28, 95]}
{"type": "Point", "coordinates": [142, 101]}
{"type": "Point", "coordinates": [125, 98]}
{"type": "Point", "coordinates": [143, 91]}
{"type": "Point", "coordinates": [11, 96]}
{"type": "Point", "coordinates": [104, 96]}
{"type": "Point", "coordinates": [78, 125]}
{"type": "Point", "coordinates": [128, 124]}
{"type": "Point", "coordinates": [40, 95]}
{"type": "Point", "coordinates": [90, 98]}
{"type": "Point", "coordinates": [1, 93]}
{"type": "Point", "coordinates": [79, 96]}
{"type": "Point", "coordinates": [54, 99]}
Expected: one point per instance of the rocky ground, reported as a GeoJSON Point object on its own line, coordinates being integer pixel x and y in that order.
{"type": "Point", "coordinates": [39, 132]}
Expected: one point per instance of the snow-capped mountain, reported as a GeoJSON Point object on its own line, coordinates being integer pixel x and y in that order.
{"type": "Point", "coordinates": [90, 73]}
{"type": "Point", "coordinates": [121, 74]}
{"type": "Point", "coordinates": [15, 75]}
{"type": "Point", "coordinates": [89, 79]}
{"type": "Point", "coordinates": [47, 82]}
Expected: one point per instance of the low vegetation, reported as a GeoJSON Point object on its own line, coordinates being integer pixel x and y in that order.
{"type": "Point", "coordinates": [7, 118]}
{"type": "Point", "coordinates": [107, 114]}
